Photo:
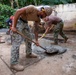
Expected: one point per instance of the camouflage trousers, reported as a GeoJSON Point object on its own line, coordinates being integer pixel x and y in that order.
{"type": "Point", "coordinates": [59, 30]}
{"type": "Point", "coordinates": [17, 40]}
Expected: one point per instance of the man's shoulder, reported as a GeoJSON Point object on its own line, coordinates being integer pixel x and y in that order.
{"type": "Point", "coordinates": [30, 6]}
{"type": "Point", "coordinates": [27, 7]}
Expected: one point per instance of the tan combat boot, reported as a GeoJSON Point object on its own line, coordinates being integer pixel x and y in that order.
{"type": "Point", "coordinates": [17, 67]}
{"type": "Point", "coordinates": [31, 56]}
{"type": "Point", "coordinates": [65, 40]}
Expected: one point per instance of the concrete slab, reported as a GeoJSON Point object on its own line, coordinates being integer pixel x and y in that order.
{"type": "Point", "coordinates": [49, 47]}
{"type": "Point", "coordinates": [6, 51]}
{"type": "Point", "coordinates": [52, 65]}
{"type": "Point", "coordinates": [64, 64]}
{"type": "Point", "coordinates": [4, 70]}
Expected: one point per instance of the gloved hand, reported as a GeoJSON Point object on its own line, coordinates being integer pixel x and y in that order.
{"type": "Point", "coordinates": [42, 36]}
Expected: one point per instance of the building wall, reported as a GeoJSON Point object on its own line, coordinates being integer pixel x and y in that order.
{"type": "Point", "coordinates": [68, 13]}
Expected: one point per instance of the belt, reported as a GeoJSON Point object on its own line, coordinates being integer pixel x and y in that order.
{"type": "Point", "coordinates": [60, 21]}
{"type": "Point", "coordinates": [25, 21]}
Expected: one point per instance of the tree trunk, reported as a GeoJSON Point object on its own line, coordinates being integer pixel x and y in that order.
{"type": "Point", "coordinates": [11, 2]}
{"type": "Point", "coordinates": [35, 2]}
{"type": "Point", "coordinates": [17, 3]}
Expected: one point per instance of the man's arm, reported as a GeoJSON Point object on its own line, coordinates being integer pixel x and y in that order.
{"type": "Point", "coordinates": [18, 13]}
{"type": "Point", "coordinates": [46, 31]}
{"type": "Point", "coordinates": [36, 32]}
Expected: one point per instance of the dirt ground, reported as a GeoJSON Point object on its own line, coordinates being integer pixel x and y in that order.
{"type": "Point", "coordinates": [63, 64]}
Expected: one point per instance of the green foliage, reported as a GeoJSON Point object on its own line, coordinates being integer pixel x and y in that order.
{"type": "Point", "coordinates": [29, 2]}
{"type": "Point", "coordinates": [54, 2]}
{"type": "Point", "coordinates": [5, 12]}
{"type": "Point", "coordinates": [47, 2]}
{"type": "Point", "coordinates": [23, 3]}
{"type": "Point", "coordinates": [5, 2]}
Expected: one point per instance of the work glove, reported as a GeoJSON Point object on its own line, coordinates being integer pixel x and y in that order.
{"type": "Point", "coordinates": [42, 36]}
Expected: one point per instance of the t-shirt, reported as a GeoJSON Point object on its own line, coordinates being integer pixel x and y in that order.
{"type": "Point", "coordinates": [53, 20]}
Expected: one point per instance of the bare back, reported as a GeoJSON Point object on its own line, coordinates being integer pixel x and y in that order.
{"type": "Point", "coordinates": [53, 19]}
{"type": "Point", "coordinates": [30, 13]}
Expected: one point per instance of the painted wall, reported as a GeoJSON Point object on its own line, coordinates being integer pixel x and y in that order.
{"type": "Point", "coordinates": [68, 13]}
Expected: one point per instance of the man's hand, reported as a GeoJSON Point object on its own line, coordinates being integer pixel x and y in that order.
{"type": "Point", "coordinates": [37, 43]}
{"type": "Point", "coordinates": [42, 36]}
{"type": "Point", "coordinates": [13, 29]}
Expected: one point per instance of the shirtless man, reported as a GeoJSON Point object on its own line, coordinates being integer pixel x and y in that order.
{"type": "Point", "coordinates": [20, 23]}
{"type": "Point", "coordinates": [58, 29]}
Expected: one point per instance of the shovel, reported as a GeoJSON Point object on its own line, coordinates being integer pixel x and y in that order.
{"type": "Point", "coordinates": [48, 51]}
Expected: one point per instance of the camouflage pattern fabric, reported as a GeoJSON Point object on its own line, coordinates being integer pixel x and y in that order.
{"type": "Point", "coordinates": [58, 30]}
{"type": "Point", "coordinates": [17, 40]}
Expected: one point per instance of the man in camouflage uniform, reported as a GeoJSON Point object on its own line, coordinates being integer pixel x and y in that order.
{"type": "Point", "coordinates": [28, 13]}
{"type": "Point", "coordinates": [58, 29]}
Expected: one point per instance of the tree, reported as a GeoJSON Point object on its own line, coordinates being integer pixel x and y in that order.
{"type": "Point", "coordinates": [53, 2]}
{"type": "Point", "coordinates": [21, 3]}
{"type": "Point", "coordinates": [5, 12]}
